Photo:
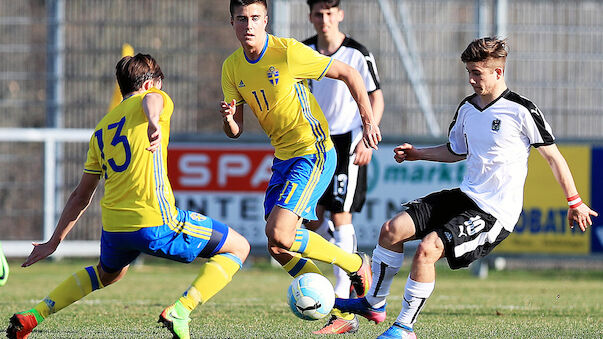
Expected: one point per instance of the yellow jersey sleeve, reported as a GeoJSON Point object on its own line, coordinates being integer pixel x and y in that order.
{"type": "Point", "coordinates": [306, 63]}
{"type": "Point", "coordinates": [92, 165]}
{"type": "Point", "coordinates": [229, 87]}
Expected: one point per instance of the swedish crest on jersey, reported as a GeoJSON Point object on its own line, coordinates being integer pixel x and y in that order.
{"type": "Point", "coordinates": [496, 124]}
{"type": "Point", "coordinates": [197, 216]}
{"type": "Point", "coordinates": [273, 75]}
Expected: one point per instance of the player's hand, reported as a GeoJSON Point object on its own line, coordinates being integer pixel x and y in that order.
{"type": "Point", "coordinates": [371, 135]}
{"type": "Point", "coordinates": [363, 154]}
{"type": "Point", "coordinates": [404, 152]}
{"type": "Point", "coordinates": [228, 109]}
{"type": "Point", "coordinates": [581, 216]}
{"type": "Point", "coordinates": [154, 135]}
{"type": "Point", "coordinates": [39, 252]}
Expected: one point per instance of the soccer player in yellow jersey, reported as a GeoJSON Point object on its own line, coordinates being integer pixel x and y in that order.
{"type": "Point", "coordinates": [269, 74]}
{"type": "Point", "coordinates": [129, 151]}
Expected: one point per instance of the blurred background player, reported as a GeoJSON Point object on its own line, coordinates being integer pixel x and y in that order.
{"type": "Point", "coordinates": [129, 150]}
{"type": "Point", "coordinates": [4, 269]}
{"type": "Point", "coordinates": [347, 191]}
{"type": "Point", "coordinates": [493, 129]}
{"type": "Point", "coordinates": [269, 74]}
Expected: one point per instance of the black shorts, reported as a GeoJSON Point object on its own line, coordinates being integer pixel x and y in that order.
{"type": "Point", "coordinates": [347, 191]}
{"type": "Point", "coordinates": [468, 233]}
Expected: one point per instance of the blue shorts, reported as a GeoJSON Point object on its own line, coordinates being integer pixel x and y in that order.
{"type": "Point", "coordinates": [297, 183]}
{"type": "Point", "coordinates": [189, 236]}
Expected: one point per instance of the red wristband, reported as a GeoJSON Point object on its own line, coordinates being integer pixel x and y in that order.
{"type": "Point", "coordinates": [574, 201]}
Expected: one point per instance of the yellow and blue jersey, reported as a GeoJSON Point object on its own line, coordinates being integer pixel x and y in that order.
{"type": "Point", "coordinates": [275, 88]}
{"type": "Point", "coordinates": [137, 190]}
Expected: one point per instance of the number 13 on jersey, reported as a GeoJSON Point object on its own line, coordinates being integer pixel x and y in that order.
{"type": "Point", "coordinates": [118, 140]}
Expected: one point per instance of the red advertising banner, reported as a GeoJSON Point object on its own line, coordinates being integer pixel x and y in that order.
{"type": "Point", "coordinates": [220, 169]}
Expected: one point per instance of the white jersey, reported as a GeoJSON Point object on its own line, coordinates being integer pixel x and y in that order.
{"type": "Point", "coordinates": [333, 96]}
{"type": "Point", "coordinates": [497, 142]}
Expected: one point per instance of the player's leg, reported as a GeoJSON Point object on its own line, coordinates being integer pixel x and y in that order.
{"type": "Point", "coordinates": [466, 237]}
{"type": "Point", "coordinates": [292, 262]}
{"type": "Point", "coordinates": [345, 238]}
{"type": "Point", "coordinates": [282, 232]}
{"type": "Point", "coordinates": [387, 260]}
{"type": "Point", "coordinates": [78, 285]}
{"type": "Point", "coordinates": [419, 286]}
{"type": "Point", "coordinates": [293, 192]}
{"type": "Point", "coordinates": [194, 235]}
{"type": "Point", "coordinates": [345, 195]}
{"type": "Point", "coordinates": [72, 289]}
{"type": "Point", "coordinates": [218, 271]}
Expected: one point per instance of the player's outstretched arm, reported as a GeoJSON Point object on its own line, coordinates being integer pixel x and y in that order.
{"type": "Point", "coordinates": [353, 79]}
{"type": "Point", "coordinates": [77, 203]}
{"type": "Point", "coordinates": [152, 105]}
{"type": "Point", "coordinates": [363, 154]}
{"type": "Point", "coordinates": [232, 118]}
{"type": "Point", "coordinates": [578, 212]}
{"type": "Point", "coordinates": [441, 153]}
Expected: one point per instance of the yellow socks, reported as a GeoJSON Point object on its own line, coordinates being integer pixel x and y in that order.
{"type": "Point", "coordinates": [312, 245]}
{"type": "Point", "coordinates": [214, 275]}
{"type": "Point", "coordinates": [298, 266]}
{"type": "Point", "coordinates": [74, 288]}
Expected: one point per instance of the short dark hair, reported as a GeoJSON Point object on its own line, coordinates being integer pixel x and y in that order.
{"type": "Point", "coordinates": [328, 3]}
{"type": "Point", "coordinates": [237, 3]}
{"type": "Point", "coordinates": [485, 48]}
{"type": "Point", "coordinates": [132, 71]}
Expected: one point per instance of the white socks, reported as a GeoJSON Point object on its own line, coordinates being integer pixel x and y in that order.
{"type": "Point", "coordinates": [386, 264]}
{"type": "Point", "coordinates": [345, 238]}
{"type": "Point", "coordinates": [415, 295]}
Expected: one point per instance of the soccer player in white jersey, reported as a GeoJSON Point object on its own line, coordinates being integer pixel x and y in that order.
{"type": "Point", "coordinates": [493, 130]}
{"type": "Point", "coordinates": [347, 191]}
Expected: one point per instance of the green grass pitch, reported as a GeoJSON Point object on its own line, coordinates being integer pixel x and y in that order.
{"type": "Point", "coordinates": [508, 304]}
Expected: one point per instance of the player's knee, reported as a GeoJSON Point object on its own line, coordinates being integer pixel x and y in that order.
{"type": "Point", "coordinates": [238, 245]}
{"type": "Point", "coordinates": [431, 249]}
{"type": "Point", "coordinates": [393, 232]}
{"type": "Point", "coordinates": [108, 278]}
{"type": "Point", "coordinates": [242, 249]}
{"type": "Point", "coordinates": [278, 239]}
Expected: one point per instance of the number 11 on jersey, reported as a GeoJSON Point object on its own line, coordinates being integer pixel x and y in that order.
{"type": "Point", "coordinates": [257, 99]}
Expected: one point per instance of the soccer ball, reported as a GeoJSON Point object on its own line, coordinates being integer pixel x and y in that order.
{"type": "Point", "coordinates": [311, 296]}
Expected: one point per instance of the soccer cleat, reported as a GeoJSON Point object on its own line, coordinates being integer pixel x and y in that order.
{"type": "Point", "coordinates": [398, 331]}
{"type": "Point", "coordinates": [361, 307]}
{"type": "Point", "coordinates": [338, 325]}
{"type": "Point", "coordinates": [4, 270]}
{"type": "Point", "coordinates": [177, 324]}
{"type": "Point", "coordinates": [21, 324]}
{"type": "Point", "coordinates": [361, 280]}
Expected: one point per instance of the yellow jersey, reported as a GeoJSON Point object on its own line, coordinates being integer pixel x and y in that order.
{"type": "Point", "coordinates": [275, 88]}
{"type": "Point", "coordinates": [137, 190]}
